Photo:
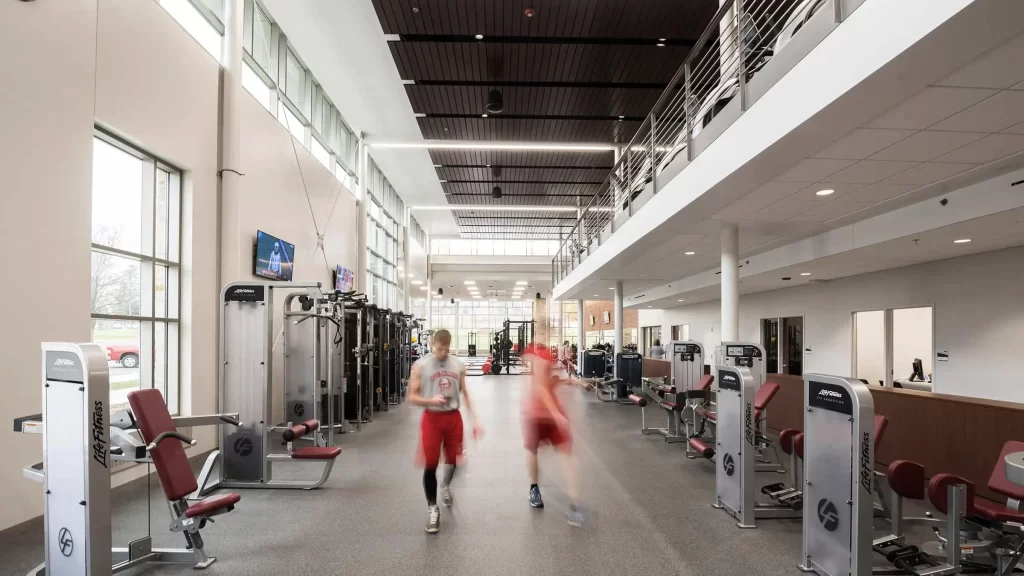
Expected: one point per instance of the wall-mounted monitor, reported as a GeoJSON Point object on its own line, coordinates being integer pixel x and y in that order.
{"type": "Point", "coordinates": [274, 258]}
{"type": "Point", "coordinates": [344, 279]}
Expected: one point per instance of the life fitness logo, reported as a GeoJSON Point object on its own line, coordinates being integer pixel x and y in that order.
{"type": "Point", "coordinates": [828, 515]}
{"type": "Point", "coordinates": [728, 464]}
{"type": "Point", "coordinates": [65, 542]}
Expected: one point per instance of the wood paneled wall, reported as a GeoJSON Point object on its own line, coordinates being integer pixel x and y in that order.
{"type": "Point", "coordinates": [943, 433]}
{"type": "Point", "coordinates": [656, 368]}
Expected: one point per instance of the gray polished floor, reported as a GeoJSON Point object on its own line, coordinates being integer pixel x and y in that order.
{"type": "Point", "coordinates": [649, 509]}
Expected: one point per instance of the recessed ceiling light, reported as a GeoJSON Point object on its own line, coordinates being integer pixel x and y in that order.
{"type": "Point", "coordinates": [483, 115]}
{"type": "Point", "coordinates": [661, 39]}
{"type": "Point", "coordinates": [622, 117]}
{"type": "Point", "coordinates": [681, 300]}
{"type": "Point", "coordinates": [469, 282]}
{"type": "Point", "coordinates": [612, 288]}
{"type": "Point", "coordinates": [661, 44]}
{"type": "Point", "coordinates": [805, 273]}
{"type": "Point", "coordinates": [649, 306]}
{"type": "Point", "coordinates": [521, 282]}
{"type": "Point", "coordinates": [962, 241]}
{"type": "Point", "coordinates": [479, 36]}
{"type": "Point", "coordinates": [488, 165]}
{"type": "Point", "coordinates": [423, 287]}
{"type": "Point", "coordinates": [596, 296]}
{"type": "Point", "coordinates": [416, 282]}
{"type": "Point", "coordinates": [689, 253]}
{"type": "Point", "coordinates": [826, 192]}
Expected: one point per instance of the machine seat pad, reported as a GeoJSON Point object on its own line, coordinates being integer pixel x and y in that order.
{"type": "Point", "coordinates": [798, 445]}
{"type": "Point", "coordinates": [938, 493]}
{"type": "Point", "coordinates": [213, 505]}
{"type": "Point", "coordinates": [906, 478]}
{"type": "Point", "coordinates": [639, 401]}
{"type": "Point", "coordinates": [705, 449]}
{"type": "Point", "coordinates": [786, 438]}
{"type": "Point", "coordinates": [996, 512]}
{"type": "Point", "coordinates": [316, 453]}
{"type": "Point", "coordinates": [998, 482]}
{"type": "Point", "coordinates": [707, 414]}
{"type": "Point", "coordinates": [705, 382]}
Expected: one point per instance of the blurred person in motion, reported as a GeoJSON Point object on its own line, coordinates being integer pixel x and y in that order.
{"type": "Point", "coordinates": [545, 421]}
{"type": "Point", "coordinates": [657, 352]}
{"type": "Point", "coordinates": [436, 383]}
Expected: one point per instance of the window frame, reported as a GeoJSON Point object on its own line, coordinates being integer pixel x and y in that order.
{"type": "Point", "coordinates": [172, 310]}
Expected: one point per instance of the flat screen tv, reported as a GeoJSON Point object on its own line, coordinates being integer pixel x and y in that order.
{"type": "Point", "coordinates": [275, 258]}
{"type": "Point", "coordinates": [344, 279]}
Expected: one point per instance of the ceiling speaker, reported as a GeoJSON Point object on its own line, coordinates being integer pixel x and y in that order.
{"type": "Point", "coordinates": [496, 192]}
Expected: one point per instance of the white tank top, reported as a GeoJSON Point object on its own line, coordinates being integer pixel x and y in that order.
{"type": "Point", "coordinates": [440, 377]}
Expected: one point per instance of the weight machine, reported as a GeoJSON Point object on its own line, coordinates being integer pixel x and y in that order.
{"type": "Point", "coordinates": [312, 345]}
{"type": "Point", "coordinates": [81, 440]}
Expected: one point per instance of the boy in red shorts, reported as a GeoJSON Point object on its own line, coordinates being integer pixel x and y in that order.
{"type": "Point", "coordinates": [436, 382]}
{"type": "Point", "coordinates": [545, 421]}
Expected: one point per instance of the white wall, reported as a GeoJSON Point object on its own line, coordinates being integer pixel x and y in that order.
{"type": "Point", "coordinates": [978, 318]}
{"type": "Point", "coordinates": [46, 162]}
{"type": "Point", "coordinates": [155, 87]}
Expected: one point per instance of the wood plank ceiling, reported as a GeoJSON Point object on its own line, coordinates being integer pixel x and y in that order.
{"type": "Point", "coordinates": [569, 71]}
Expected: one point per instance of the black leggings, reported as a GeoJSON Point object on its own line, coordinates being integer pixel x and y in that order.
{"type": "Point", "coordinates": [430, 482]}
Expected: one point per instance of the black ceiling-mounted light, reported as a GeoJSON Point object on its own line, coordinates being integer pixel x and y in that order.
{"type": "Point", "coordinates": [495, 103]}
{"type": "Point", "coordinates": [496, 171]}
{"type": "Point", "coordinates": [538, 295]}
{"type": "Point", "coordinates": [496, 192]}
{"type": "Point", "coordinates": [440, 291]}
{"type": "Point", "coordinates": [453, 301]}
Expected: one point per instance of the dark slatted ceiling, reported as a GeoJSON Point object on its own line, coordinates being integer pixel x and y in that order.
{"type": "Point", "coordinates": [577, 71]}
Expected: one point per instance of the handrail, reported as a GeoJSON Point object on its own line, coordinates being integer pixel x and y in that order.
{"type": "Point", "coordinates": [745, 32]}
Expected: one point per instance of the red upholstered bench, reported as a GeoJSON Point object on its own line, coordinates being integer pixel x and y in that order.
{"type": "Point", "coordinates": [316, 453]}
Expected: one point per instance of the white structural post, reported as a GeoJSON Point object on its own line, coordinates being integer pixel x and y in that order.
{"type": "Point", "coordinates": [364, 198]}
{"type": "Point", "coordinates": [581, 335]}
{"type": "Point", "coordinates": [230, 149]}
{"type": "Point", "coordinates": [404, 279]}
{"type": "Point", "coordinates": [730, 283]}
{"type": "Point", "coordinates": [430, 299]}
{"type": "Point", "coordinates": [618, 322]}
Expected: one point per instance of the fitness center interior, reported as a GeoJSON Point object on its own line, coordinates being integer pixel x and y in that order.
{"type": "Point", "coordinates": [781, 241]}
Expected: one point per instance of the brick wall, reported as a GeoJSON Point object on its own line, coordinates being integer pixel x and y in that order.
{"type": "Point", "coordinates": [597, 309]}
{"type": "Point", "coordinates": [542, 330]}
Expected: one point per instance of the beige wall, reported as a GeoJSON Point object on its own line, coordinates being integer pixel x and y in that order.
{"type": "Point", "coordinates": [156, 88]}
{"type": "Point", "coordinates": [46, 162]}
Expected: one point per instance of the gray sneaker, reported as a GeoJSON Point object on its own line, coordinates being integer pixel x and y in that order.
{"type": "Point", "coordinates": [577, 518]}
{"type": "Point", "coordinates": [433, 519]}
{"type": "Point", "coordinates": [446, 496]}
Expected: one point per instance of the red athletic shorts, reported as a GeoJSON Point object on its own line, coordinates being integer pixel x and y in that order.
{"type": "Point", "coordinates": [539, 430]}
{"type": "Point", "coordinates": [437, 429]}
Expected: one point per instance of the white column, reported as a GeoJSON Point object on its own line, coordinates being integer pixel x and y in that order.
{"type": "Point", "coordinates": [430, 300]}
{"type": "Point", "coordinates": [233, 247]}
{"type": "Point", "coordinates": [561, 324]}
{"type": "Point", "coordinates": [581, 335]}
{"type": "Point", "coordinates": [407, 267]}
{"type": "Point", "coordinates": [364, 198]}
{"type": "Point", "coordinates": [618, 316]}
{"type": "Point", "coordinates": [730, 283]}
{"type": "Point", "coordinates": [579, 228]}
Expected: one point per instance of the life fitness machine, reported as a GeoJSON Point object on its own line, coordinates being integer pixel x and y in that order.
{"type": "Point", "coordinates": [81, 440]}
{"type": "Point", "coordinates": [629, 372]}
{"type": "Point", "coordinates": [736, 354]}
{"type": "Point", "coordinates": [246, 387]}
{"type": "Point", "coordinates": [686, 374]}
{"type": "Point", "coordinates": [737, 450]}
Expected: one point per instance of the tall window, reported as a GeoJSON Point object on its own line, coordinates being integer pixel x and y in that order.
{"type": "Point", "coordinates": [136, 237]}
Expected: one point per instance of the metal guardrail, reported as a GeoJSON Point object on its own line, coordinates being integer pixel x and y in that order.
{"type": "Point", "coordinates": [741, 38]}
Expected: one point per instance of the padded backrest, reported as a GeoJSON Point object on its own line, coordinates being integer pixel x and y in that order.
{"type": "Point", "coordinates": [906, 478]}
{"type": "Point", "coordinates": [798, 445]}
{"type": "Point", "coordinates": [705, 382]}
{"type": "Point", "coordinates": [881, 423]}
{"type": "Point", "coordinates": [938, 492]}
{"type": "Point", "coordinates": [169, 457]}
{"type": "Point", "coordinates": [997, 482]}
{"type": "Point", "coordinates": [786, 438]}
{"type": "Point", "coordinates": [765, 395]}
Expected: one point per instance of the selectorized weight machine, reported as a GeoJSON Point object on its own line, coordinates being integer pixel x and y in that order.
{"type": "Point", "coordinates": [82, 440]}
{"type": "Point", "coordinates": [311, 349]}
{"type": "Point", "coordinates": [686, 375]}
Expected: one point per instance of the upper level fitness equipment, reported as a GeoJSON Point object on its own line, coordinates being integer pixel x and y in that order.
{"type": "Point", "coordinates": [80, 442]}
{"type": "Point", "coordinates": [311, 350]}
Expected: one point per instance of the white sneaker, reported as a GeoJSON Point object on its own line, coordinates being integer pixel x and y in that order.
{"type": "Point", "coordinates": [433, 519]}
{"type": "Point", "coordinates": [446, 496]}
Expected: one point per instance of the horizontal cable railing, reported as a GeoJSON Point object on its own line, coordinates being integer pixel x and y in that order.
{"type": "Point", "coordinates": [741, 38]}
